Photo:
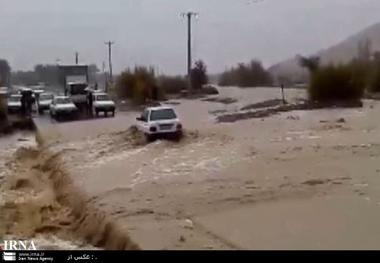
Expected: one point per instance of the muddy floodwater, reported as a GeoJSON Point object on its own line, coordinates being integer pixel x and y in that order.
{"type": "Point", "coordinates": [298, 179]}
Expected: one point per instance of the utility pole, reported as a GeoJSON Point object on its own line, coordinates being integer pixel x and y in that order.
{"type": "Point", "coordinates": [76, 58]}
{"type": "Point", "coordinates": [109, 44]}
{"type": "Point", "coordinates": [105, 76]}
{"type": "Point", "coordinates": [189, 16]}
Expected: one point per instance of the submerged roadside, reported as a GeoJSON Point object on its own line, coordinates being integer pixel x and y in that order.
{"type": "Point", "coordinates": [298, 179]}
{"type": "Point", "coordinates": [39, 202]}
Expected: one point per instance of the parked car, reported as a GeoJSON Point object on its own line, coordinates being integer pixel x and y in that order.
{"type": "Point", "coordinates": [44, 101]}
{"type": "Point", "coordinates": [4, 92]}
{"type": "Point", "coordinates": [156, 121]}
{"type": "Point", "coordinates": [14, 103]}
{"type": "Point", "coordinates": [62, 106]}
{"type": "Point", "coordinates": [102, 103]}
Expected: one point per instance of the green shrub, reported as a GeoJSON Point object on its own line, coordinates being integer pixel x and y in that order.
{"type": "Point", "coordinates": [139, 85]}
{"type": "Point", "coordinates": [172, 85]}
{"type": "Point", "coordinates": [342, 82]}
{"type": "Point", "coordinates": [374, 85]}
{"type": "Point", "coordinates": [310, 63]}
{"type": "Point", "coordinates": [199, 75]}
{"type": "Point", "coordinates": [252, 74]}
{"type": "Point", "coordinates": [3, 110]}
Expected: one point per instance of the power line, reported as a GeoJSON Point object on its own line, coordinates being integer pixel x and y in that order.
{"type": "Point", "coordinates": [189, 16]}
{"type": "Point", "coordinates": [104, 75]}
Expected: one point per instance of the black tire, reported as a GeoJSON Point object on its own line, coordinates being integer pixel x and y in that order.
{"type": "Point", "coordinates": [40, 111]}
{"type": "Point", "coordinates": [178, 136]}
{"type": "Point", "coordinates": [105, 114]}
{"type": "Point", "coordinates": [113, 113]}
{"type": "Point", "coordinates": [97, 113]}
{"type": "Point", "coordinates": [149, 137]}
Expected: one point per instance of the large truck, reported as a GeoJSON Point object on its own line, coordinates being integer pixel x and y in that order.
{"type": "Point", "coordinates": [74, 81]}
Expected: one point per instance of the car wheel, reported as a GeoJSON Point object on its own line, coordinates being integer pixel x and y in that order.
{"type": "Point", "coordinates": [149, 137]}
{"type": "Point", "coordinates": [106, 113]}
{"type": "Point", "coordinates": [113, 113]}
{"type": "Point", "coordinates": [177, 135]}
{"type": "Point", "coordinates": [97, 113]}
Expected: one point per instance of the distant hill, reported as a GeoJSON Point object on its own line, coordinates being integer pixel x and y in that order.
{"type": "Point", "coordinates": [340, 53]}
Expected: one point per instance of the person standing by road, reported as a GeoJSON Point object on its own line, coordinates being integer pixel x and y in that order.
{"type": "Point", "coordinates": [23, 103]}
{"type": "Point", "coordinates": [283, 94]}
{"type": "Point", "coordinates": [90, 102]}
{"type": "Point", "coordinates": [26, 102]}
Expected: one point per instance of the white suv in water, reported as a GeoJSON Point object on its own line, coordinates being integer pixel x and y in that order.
{"type": "Point", "coordinates": [163, 120]}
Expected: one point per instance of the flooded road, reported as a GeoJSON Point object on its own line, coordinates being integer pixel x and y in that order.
{"type": "Point", "coordinates": [39, 203]}
{"type": "Point", "coordinates": [234, 185]}
{"type": "Point", "coordinates": [14, 196]}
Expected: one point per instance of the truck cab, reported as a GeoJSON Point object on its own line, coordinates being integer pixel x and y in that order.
{"type": "Point", "coordinates": [77, 92]}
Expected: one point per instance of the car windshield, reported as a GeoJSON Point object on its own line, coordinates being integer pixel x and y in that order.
{"type": "Point", "coordinates": [46, 97]}
{"type": "Point", "coordinates": [15, 99]}
{"type": "Point", "coordinates": [103, 97]}
{"type": "Point", "coordinates": [62, 101]}
{"type": "Point", "coordinates": [164, 114]}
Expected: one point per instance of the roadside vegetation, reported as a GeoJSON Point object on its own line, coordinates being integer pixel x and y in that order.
{"type": "Point", "coordinates": [172, 84]}
{"type": "Point", "coordinates": [251, 74]}
{"type": "Point", "coordinates": [138, 85]}
{"type": "Point", "coordinates": [199, 75]}
{"type": "Point", "coordinates": [141, 85]}
{"type": "Point", "coordinates": [343, 82]}
{"type": "Point", "coordinates": [337, 82]}
{"type": "Point", "coordinates": [374, 80]}
{"type": "Point", "coordinates": [3, 111]}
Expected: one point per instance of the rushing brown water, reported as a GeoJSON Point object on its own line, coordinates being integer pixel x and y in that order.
{"type": "Point", "coordinates": [39, 202]}
{"type": "Point", "coordinates": [206, 191]}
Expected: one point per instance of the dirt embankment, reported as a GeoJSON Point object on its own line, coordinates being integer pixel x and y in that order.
{"type": "Point", "coordinates": [39, 197]}
{"type": "Point", "coordinates": [275, 108]}
{"type": "Point", "coordinates": [15, 123]}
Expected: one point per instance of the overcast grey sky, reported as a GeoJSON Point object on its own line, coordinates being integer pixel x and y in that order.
{"type": "Point", "coordinates": [152, 31]}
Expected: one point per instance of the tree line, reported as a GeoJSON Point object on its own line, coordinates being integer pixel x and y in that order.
{"type": "Point", "coordinates": [251, 74]}
{"type": "Point", "coordinates": [141, 83]}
